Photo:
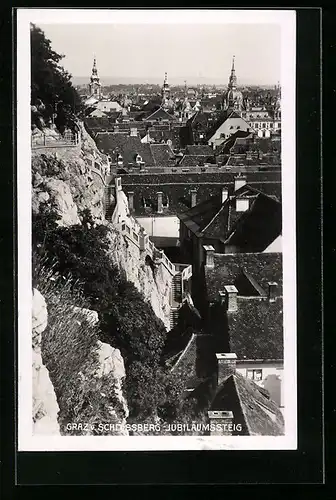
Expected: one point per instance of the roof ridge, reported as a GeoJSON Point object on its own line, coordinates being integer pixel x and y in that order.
{"type": "Point", "coordinates": [254, 282]}
{"type": "Point", "coordinates": [216, 215]}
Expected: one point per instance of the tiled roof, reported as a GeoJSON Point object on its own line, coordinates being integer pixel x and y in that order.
{"type": "Point", "coordinates": [201, 149]}
{"type": "Point", "coordinates": [255, 229]}
{"type": "Point", "coordinates": [252, 230]}
{"type": "Point", "coordinates": [244, 398]}
{"type": "Point", "coordinates": [178, 187]}
{"type": "Point", "coordinates": [256, 329]}
{"type": "Point", "coordinates": [103, 123]}
{"type": "Point", "coordinates": [195, 160]}
{"type": "Point", "coordinates": [162, 154]}
{"type": "Point", "coordinates": [227, 270]}
{"type": "Point", "coordinates": [127, 146]}
{"type": "Point", "coordinates": [160, 114]}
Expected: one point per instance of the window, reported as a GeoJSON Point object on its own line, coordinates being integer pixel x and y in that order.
{"type": "Point", "coordinates": [254, 375]}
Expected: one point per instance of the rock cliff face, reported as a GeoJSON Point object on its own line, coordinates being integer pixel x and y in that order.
{"type": "Point", "coordinates": [45, 407]}
{"type": "Point", "coordinates": [62, 178]}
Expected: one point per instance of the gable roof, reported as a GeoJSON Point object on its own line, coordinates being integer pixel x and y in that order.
{"type": "Point", "coordinates": [242, 396]}
{"type": "Point", "coordinates": [128, 146]}
{"type": "Point", "coordinates": [228, 268]}
{"type": "Point", "coordinates": [252, 230]}
{"type": "Point", "coordinates": [256, 228]}
{"type": "Point", "coordinates": [234, 114]}
{"type": "Point", "coordinates": [160, 114]}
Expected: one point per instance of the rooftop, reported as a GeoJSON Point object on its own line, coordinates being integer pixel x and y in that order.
{"type": "Point", "coordinates": [240, 395]}
{"type": "Point", "coordinates": [228, 269]}
{"type": "Point", "coordinates": [251, 230]}
{"type": "Point", "coordinates": [256, 329]}
{"type": "Point", "coordinates": [178, 187]}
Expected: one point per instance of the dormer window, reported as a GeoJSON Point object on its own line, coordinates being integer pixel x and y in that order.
{"type": "Point", "coordinates": [138, 159]}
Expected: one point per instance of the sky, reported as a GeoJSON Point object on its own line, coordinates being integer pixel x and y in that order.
{"type": "Point", "coordinates": [197, 53]}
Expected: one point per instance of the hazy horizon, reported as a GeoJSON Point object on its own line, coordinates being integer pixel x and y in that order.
{"type": "Point", "coordinates": [191, 81]}
{"type": "Point", "coordinates": [198, 53]}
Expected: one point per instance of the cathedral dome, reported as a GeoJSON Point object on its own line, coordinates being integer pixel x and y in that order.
{"type": "Point", "coordinates": [234, 95]}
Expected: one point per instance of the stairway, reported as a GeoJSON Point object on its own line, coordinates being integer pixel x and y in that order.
{"type": "Point", "coordinates": [177, 288]}
{"type": "Point", "coordinates": [173, 317]}
{"type": "Point", "coordinates": [107, 206]}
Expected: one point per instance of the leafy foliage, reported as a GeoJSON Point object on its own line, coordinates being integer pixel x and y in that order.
{"type": "Point", "coordinates": [51, 88]}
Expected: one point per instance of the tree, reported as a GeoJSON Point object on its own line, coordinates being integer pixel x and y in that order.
{"type": "Point", "coordinates": [51, 88]}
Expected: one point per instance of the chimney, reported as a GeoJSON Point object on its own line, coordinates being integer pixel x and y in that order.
{"type": "Point", "coordinates": [131, 200]}
{"type": "Point", "coordinates": [242, 204]}
{"type": "Point", "coordinates": [160, 204]}
{"type": "Point", "coordinates": [226, 366]}
{"type": "Point", "coordinates": [134, 132]}
{"type": "Point", "coordinates": [239, 181]}
{"type": "Point", "coordinates": [120, 160]}
{"type": "Point", "coordinates": [225, 194]}
{"type": "Point", "coordinates": [118, 184]}
{"type": "Point", "coordinates": [272, 288]}
{"type": "Point", "coordinates": [209, 256]}
{"type": "Point", "coordinates": [231, 293]}
{"type": "Point", "coordinates": [143, 238]}
{"type": "Point", "coordinates": [193, 197]}
{"type": "Point", "coordinates": [221, 422]}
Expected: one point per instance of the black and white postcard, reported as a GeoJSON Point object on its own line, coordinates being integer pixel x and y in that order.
{"type": "Point", "coordinates": [156, 230]}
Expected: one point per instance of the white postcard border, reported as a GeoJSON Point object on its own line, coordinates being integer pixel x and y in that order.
{"type": "Point", "coordinates": [286, 19]}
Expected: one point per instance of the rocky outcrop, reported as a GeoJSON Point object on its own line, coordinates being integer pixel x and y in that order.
{"type": "Point", "coordinates": [58, 193]}
{"type": "Point", "coordinates": [108, 364]}
{"type": "Point", "coordinates": [111, 363]}
{"type": "Point", "coordinates": [45, 407]}
{"type": "Point", "coordinates": [62, 177]}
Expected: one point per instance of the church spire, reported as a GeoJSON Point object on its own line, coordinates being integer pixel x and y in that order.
{"type": "Point", "coordinates": [94, 75]}
{"type": "Point", "coordinates": [233, 78]}
{"type": "Point", "coordinates": [95, 85]}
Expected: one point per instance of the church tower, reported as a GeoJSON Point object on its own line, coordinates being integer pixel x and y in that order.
{"type": "Point", "coordinates": [165, 88]}
{"type": "Point", "coordinates": [234, 98]}
{"type": "Point", "coordinates": [95, 85]}
{"type": "Point", "coordinates": [167, 102]}
{"type": "Point", "coordinates": [233, 78]}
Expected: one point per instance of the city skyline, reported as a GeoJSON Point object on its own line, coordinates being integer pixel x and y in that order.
{"type": "Point", "coordinates": [199, 54]}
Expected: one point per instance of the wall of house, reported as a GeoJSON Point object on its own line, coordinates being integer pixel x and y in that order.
{"type": "Point", "coordinates": [272, 377]}
{"type": "Point", "coordinates": [229, 127]}
{"type": "Point", "coordinates": [168, 226]}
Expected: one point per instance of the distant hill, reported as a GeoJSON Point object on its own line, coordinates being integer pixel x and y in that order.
{"type": "Point", "coordinates": [111, 80]}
